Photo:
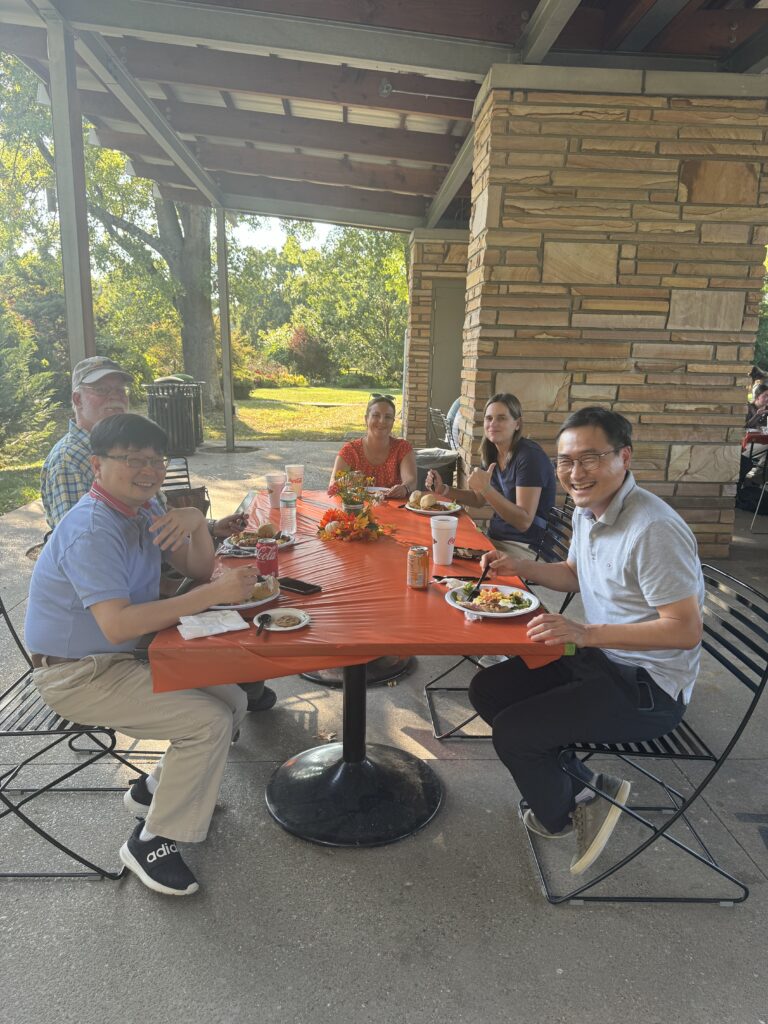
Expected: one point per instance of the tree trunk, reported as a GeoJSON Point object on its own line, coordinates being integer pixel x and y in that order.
{"type": "Point", "coordinates": [191, 270]}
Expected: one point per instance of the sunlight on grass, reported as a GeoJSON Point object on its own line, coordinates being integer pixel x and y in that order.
{"type": "Point", "coordinates": [19, 486]}
{"type": "Point", "coordinates": [293, 414]}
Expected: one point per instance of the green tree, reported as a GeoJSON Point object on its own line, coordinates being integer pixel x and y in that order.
{"type": "Point", "coordinates": [169, 242]}
{"type": "Point", "coordinates": [25, 421]}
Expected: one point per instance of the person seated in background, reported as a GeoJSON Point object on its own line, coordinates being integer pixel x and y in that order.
{"type": "Point", "coordinates": [516, 478]}
{"type": "Point", "coordinates": [757, 414]}
{"type": "Point", "coordinates": [100, 388]}
{"type": "Point", "coordinates": [390, 461]}
{"type": "Point", "coordinates": [636, 565]}
{"type": "Point", "coordinates": [94, 592]}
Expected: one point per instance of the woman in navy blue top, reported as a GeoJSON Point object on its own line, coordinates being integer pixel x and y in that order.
{"type": "Point", "coordinates": [516, 478]}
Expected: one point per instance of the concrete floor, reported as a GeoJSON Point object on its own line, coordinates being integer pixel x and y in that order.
{"type": "Point", "coordinates": [446, 926]}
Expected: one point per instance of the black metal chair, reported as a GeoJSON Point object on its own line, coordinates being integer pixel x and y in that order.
{"type": "Point", "coordinates": [178, 489]}
{"type": "Point", "coordinates": [552, 547]}
{"type": "Point", "coordinates": [736, 637]}
{"type": "Point", "coordinates": [24, 714]}
{"type": "Point", "coordinates": [440, 428]}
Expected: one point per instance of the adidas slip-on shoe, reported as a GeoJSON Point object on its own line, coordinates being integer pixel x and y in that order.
{"type": "Point", "coordinates": [158, 864]}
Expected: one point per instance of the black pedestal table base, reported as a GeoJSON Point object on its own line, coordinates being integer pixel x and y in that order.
{"type": "Point", "coordinates": [378, 672]}
{"type": "Point", "coordinates": [342, 794]}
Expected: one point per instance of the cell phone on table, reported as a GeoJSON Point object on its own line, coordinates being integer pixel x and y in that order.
{"type": "Point", "coordinates": [298, 586]}
{"type": "Point", "coordinates": [245, 505]}
{"type": "Point", "coordinates": [468, 554]}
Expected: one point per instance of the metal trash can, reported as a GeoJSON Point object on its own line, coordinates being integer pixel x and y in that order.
{"type": "Point", "coordinates": [178, 407]}
{"type": "Point", "coordinates": [442, 459]}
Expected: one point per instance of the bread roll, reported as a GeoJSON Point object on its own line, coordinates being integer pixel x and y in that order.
{"type": "Point", "coordinates": [428, 501]}
{"type": "Point", "coordinates": [267, 530]}
{"type": "Point", "coordinates": [264, 588]}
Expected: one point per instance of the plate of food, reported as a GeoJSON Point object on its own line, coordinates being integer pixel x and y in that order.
{"type": "Point", "coordinates": [428, 504]}
{"type": "Point", "coordinates": [264, 590]}
{"type": "Point", "coordinates": [493, 602]}
{"type": "Point", "coordinates": [286, 619]}
{"type": "Point", "coordinates": [243, 544]}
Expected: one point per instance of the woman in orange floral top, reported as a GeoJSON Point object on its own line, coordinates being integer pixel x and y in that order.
{"type": "Point", "coordinates": [389, 460]}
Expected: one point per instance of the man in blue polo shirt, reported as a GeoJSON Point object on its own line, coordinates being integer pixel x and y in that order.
{"type": "Point", "coordinates": [94, 592]}
{"type": "Point", "coordinates": [635, 563]}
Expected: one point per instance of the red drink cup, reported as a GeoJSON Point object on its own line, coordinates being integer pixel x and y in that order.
{"type": "Point", "coordinates": [266, 556]}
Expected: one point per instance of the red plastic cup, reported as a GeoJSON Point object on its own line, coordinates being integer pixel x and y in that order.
{"type": "Point", "coordinates": [266, 556]}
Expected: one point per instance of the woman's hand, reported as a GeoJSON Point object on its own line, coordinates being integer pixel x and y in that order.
{"type": "Point", "coordinates": [174, 529]}
{"type": "Point", "coordinates": [234, 586]}
{"type": "Point", "coordinates": [480, 480]}
{"type": "Point", "coordinates": [434, 483]}
{"type": "Point", "coordinates": [398, 491]}
{"type": "Point", "coordinates": [552, 629]}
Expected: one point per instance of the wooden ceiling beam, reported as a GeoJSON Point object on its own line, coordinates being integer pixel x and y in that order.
{"type": "Point", "coordinates": [273, 76]}
{"type": "Point", "coordinates": [298, 80]}
{"type": "Point", "coordinates": [271, 188]}
{"type": "Point", "coordinates": [290, 166]}
{"type": "Point", "coordinates": [463, 19]}
{"type": "Point", "coordinates": [710, 33]}
{"type": "Point", "coordinates": [241, 125]}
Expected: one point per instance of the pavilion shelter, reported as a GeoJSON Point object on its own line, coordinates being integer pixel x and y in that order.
{"type": "Point", "coordinates": [582, 182]}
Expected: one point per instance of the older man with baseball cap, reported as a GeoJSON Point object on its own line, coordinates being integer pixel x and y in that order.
{"type": "Point", "coordinates": [100, 389]}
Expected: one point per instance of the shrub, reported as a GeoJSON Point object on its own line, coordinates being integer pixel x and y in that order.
{"type": "Point", "coordinates": [25, 396]}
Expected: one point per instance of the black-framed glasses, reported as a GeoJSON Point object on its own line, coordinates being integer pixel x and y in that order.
{"type": "Point", "coordinates": [564, 463]}
{"type": "Point", "coordinates": [140, 461]}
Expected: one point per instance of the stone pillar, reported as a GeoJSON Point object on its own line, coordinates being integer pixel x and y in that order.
{"type": "Point", "coordinates": [434, 255]}
{"type": "Point", "coordinates": [616, 258]}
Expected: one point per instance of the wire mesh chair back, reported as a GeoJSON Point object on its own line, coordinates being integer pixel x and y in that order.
{"type": "Point", "coordinates": [23, 713]}
{"type": "Point", "coordinates": [440, 428]}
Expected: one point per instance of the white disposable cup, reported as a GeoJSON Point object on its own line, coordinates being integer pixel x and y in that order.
{"type": "Point", "coordinates": [443, 538]}
{"type": "Point", "coordinates": [295, 477]}
{"type": "Point", "coordinates": [275, 484]}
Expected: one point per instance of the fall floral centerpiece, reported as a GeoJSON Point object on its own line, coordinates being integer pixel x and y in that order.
{"type": "Point", "coordinates": [352, 486]}
{"type": "Point", "coordinates": [337, 524]}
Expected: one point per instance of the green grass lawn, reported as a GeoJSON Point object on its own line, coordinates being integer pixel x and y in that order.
{"type": "Point", "coordinates": [293, 414]}
{"type": "Point", "coordinates": [19, 486]}
{"type": "Point", "coordinates": [270, 414]}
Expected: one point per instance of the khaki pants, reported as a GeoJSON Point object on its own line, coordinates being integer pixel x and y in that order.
{"type": "Point", "coordinates": [513, 548]}
{"type": "Point", "coordinates": [115, 690]}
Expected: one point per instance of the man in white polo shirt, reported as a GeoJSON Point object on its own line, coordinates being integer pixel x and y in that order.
{"type": "Point", "coordinates": [635, 563]}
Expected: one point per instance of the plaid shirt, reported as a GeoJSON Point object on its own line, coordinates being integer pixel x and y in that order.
{"type": "Point", "coordinates": [66, 474]}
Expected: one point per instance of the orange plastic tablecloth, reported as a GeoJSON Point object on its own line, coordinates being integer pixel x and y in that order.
{"type": "Point", "coordinates": [365, 610]}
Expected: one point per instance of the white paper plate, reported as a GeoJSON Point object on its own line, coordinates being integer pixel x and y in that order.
{"type": "Point", "coordinates": [535, 602]}
{"type": "Point", "coordinates": [248, 604]}
{"type": "Point", "coordinates": [228, 550]}
{"type": "Point", "coordinates": [272, 627]}
{"type": "Point", "coordinates": [451, 510]}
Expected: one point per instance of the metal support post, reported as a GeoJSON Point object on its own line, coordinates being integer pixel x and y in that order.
{"type": "Point", "coordinates": [70, 189]}
{"type": "Point", "coordinates": [226, 340]}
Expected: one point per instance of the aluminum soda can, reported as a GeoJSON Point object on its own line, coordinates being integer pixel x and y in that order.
{"type": "Point", "coordinates": [418, 568]}
{"type": "Point", "coordinates": [266, 556]}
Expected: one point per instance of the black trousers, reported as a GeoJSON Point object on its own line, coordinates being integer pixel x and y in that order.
{"type": "Point", "coordinates": [534, 713]}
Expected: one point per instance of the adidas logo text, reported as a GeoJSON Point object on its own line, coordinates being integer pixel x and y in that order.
{"type": "Point", "coordinates": [162, 851]}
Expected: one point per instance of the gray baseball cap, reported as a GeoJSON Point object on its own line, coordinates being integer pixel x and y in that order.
{"type": "Point", "coordinates": [89, 370]}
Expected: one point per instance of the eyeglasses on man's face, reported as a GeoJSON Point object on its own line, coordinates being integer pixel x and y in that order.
{"type": "Point", "coordinates": [588, 462]}
{"type": "Point", "coordinates": [140, 461]}
{"type": "Point", "coordinates": [105, 391]}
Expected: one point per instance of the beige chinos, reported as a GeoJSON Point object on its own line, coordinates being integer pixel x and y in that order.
{"type": "Point", "coordinates": [115, 690]}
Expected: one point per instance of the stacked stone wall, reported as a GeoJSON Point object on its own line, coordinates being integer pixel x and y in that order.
{"type": "Point", "coordinates": [616, 258]}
